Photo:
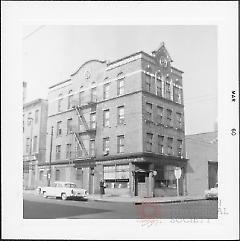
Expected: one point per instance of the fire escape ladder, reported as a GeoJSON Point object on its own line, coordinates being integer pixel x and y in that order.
{"type": "Point", "coordinates": [81, 117]}
{"type": "Point", "coordinates": [80, 143]}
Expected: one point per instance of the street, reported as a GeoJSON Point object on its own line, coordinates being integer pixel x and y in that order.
{"type": "Point", "coordinates": [37, 207]}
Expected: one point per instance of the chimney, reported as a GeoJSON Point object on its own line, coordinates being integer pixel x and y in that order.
{"type": "Point", "coordinates": [24, 91]}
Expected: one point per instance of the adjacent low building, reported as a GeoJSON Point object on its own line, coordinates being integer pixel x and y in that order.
{"type": "Point", "coordinates": [121, 122]}
{"type": "Point", "coordinates": [34, 140]}
{"type": "Point", "coordinates": [202, 168]}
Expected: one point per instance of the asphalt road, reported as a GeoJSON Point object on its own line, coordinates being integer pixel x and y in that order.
{"type": "Point", "coordinates": [37, 207]}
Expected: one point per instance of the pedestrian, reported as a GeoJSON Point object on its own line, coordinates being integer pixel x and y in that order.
{"type": "Point", "coordinates": [102, 187]}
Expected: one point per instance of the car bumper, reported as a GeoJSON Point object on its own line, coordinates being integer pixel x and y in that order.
{"type": "Point", "coordinates": [211, 196]}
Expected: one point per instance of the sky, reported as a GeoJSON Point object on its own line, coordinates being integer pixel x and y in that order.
{"type": "Point", "coordinates": [51, 53]}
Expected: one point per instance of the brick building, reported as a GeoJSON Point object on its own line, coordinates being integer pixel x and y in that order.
{"type": "Point", "coordinates": [121, 121]}
{"type": "Point", "coordinates": [202, 168]}
{"type": "Point", "coordinates": [34, 140]}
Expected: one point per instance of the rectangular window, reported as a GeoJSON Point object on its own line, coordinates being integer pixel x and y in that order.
{"type": "Point", "coordinates": [59, 128]}
{"type": "Point", "coordinates": [106, 89]}
{"type": "Point", "coordinates": [68, 151]}
{"type": "Point", "coordinates": [170, 145]}
{"type": "Point", "coordinates": [36, 116]}
{"type": "Point", "coordinates": [60, 103]}
{"type": "Point", "coordinates": [169, 117]}
{"type": "Point", "coordinates": [159, 114]}
{"type": "Point", "coordinates": [106, 142]}
{"type": "Point", "coordinates": [70, 101]}
{"type": "Point", "coordinates": [120, 115]}
{"type": "Point", "coordinates": [179, 120]}
{"type": "Point", "coordinates": [159, 88]}
{"type": "Point", "coordinates": [177, 95]}
{"type": "Point", "coordinates": [29, 120]}
{"type": "Point", "coordinates": [69, 126]}
{"type": "Point", "coordinates": [23, 122]}
{"type": "Point", "coordinates": [93, 121]}
{"type": "Point", "coordinates": [179, 147]}
{"type": "Point", "coordinates": [168, 91]}
{"type": "Point", "coordinates": [106, 121]}
{"type": "Point", "coordinates": [120, 144]}
{"type": "Point", "coordinates": [120, 87]}
{"type": "Point", "coordinates": [58, 152]}
{"type": "Point", "coordinates": [94, 94]}
{"type": "Point", "coordinates": [35, 143]}
{"type": "Point", "coordinates": [27, 145]}
{"type": "Point", "coordinates": [149, 111]}
{"type": "Point", "coordinates": [149, 142]}
{"type": "Point", "coordinates": [92, 148]}
{"type": "Point", "coordinates": [81, 97]}
{"type": "Point", "coordinates": [160, 144]}
{"type": "Point", "coordinates": [148, 83]}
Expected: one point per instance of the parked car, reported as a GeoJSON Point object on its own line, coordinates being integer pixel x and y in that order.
{"type": "Point", "coordinates": [64, 190]}
{"type": "Point", "coordinates": [212, 193]}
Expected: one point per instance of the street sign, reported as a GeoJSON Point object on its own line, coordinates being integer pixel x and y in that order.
{"type": "Point", "coordinates": [178, 172]}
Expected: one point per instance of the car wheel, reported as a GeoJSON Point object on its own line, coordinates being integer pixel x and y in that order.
{"type": "Point", "coordinates": [45, 195]}
{"type": "Point", "coordinates": [64, 196]}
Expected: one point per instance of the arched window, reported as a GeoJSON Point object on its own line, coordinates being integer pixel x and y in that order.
{"type": "Point", "coordinates": [120, 83]}
{"type": "Point", "coordinates": [60, 98]}
{"type": "Point", "coordinates": [57, 175]}
{"type": "Point", "coordinates": [70, 99]}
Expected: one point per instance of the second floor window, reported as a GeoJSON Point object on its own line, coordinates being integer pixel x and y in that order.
{"type": "Point", "coordinates": [120, 86]}
{"type": "Point", "coordinates": [58, 152]}
{"type": "Point", "coordinates": [169, 117]}
{"type": "Point", "coordinates": [160, 144]}
{"type": "Point", "coordinates": [106, 121]}
{"type": "Point", "coordinates": [149, 111]}
{"type": "Point", "coordinates": [93, 120]}
{"type": "Point", "coordinates": [35, 139]}
{"type": "Point", "coordinates": [36, 116]}
{"type": "Point", "coordinates": [69, 126]}
{"type": "Point", "coordinates": [60, 103]}
{"type": "Point", "coordinates": [59, 128]}
{"type": "Point", "coordinates": [179, 147]}
{"type": "Point", "coordinates": [29, 119]}
{"type": "Point", "coordinates": [121, 115]}
{"type": "Point", "coordinates": [120, 144]}
{"type": "Point", "coordinates": [149, 142]}
{"type": "Point", "coordinates": [159, 114]}
{"type": "Point", "coordinates": [106, 142]}
{"type": "Point", "coordinates": [70, 99]}
{"type": "Point", "coordinates": [170, 146]}
{"type": "Point", "coordinates": [106, 89]}
{"type": "Point", "coordinates": [92, 148]}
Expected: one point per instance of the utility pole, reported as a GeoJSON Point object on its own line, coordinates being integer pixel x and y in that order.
{"type": "Point", "coordinates": [50, 160]}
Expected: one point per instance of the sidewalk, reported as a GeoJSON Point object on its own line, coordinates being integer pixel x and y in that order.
{"type": "Point", "coordinates": [135, 200]}
{"type": "Point", "coordinates": [139, 200]}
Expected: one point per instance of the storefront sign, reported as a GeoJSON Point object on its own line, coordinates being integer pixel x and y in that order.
{"type": "Point", "coordinates": [178, 172]}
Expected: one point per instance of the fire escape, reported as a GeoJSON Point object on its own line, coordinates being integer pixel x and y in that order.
{"type": "Point", "coordinates": [89, 129]}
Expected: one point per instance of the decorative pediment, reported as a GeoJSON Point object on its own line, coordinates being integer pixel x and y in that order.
{"type": "Point", "coordinates": [162, 56]}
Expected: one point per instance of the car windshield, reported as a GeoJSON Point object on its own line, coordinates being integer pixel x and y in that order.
{"type": "Point", "coordinates": [71, 185]}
